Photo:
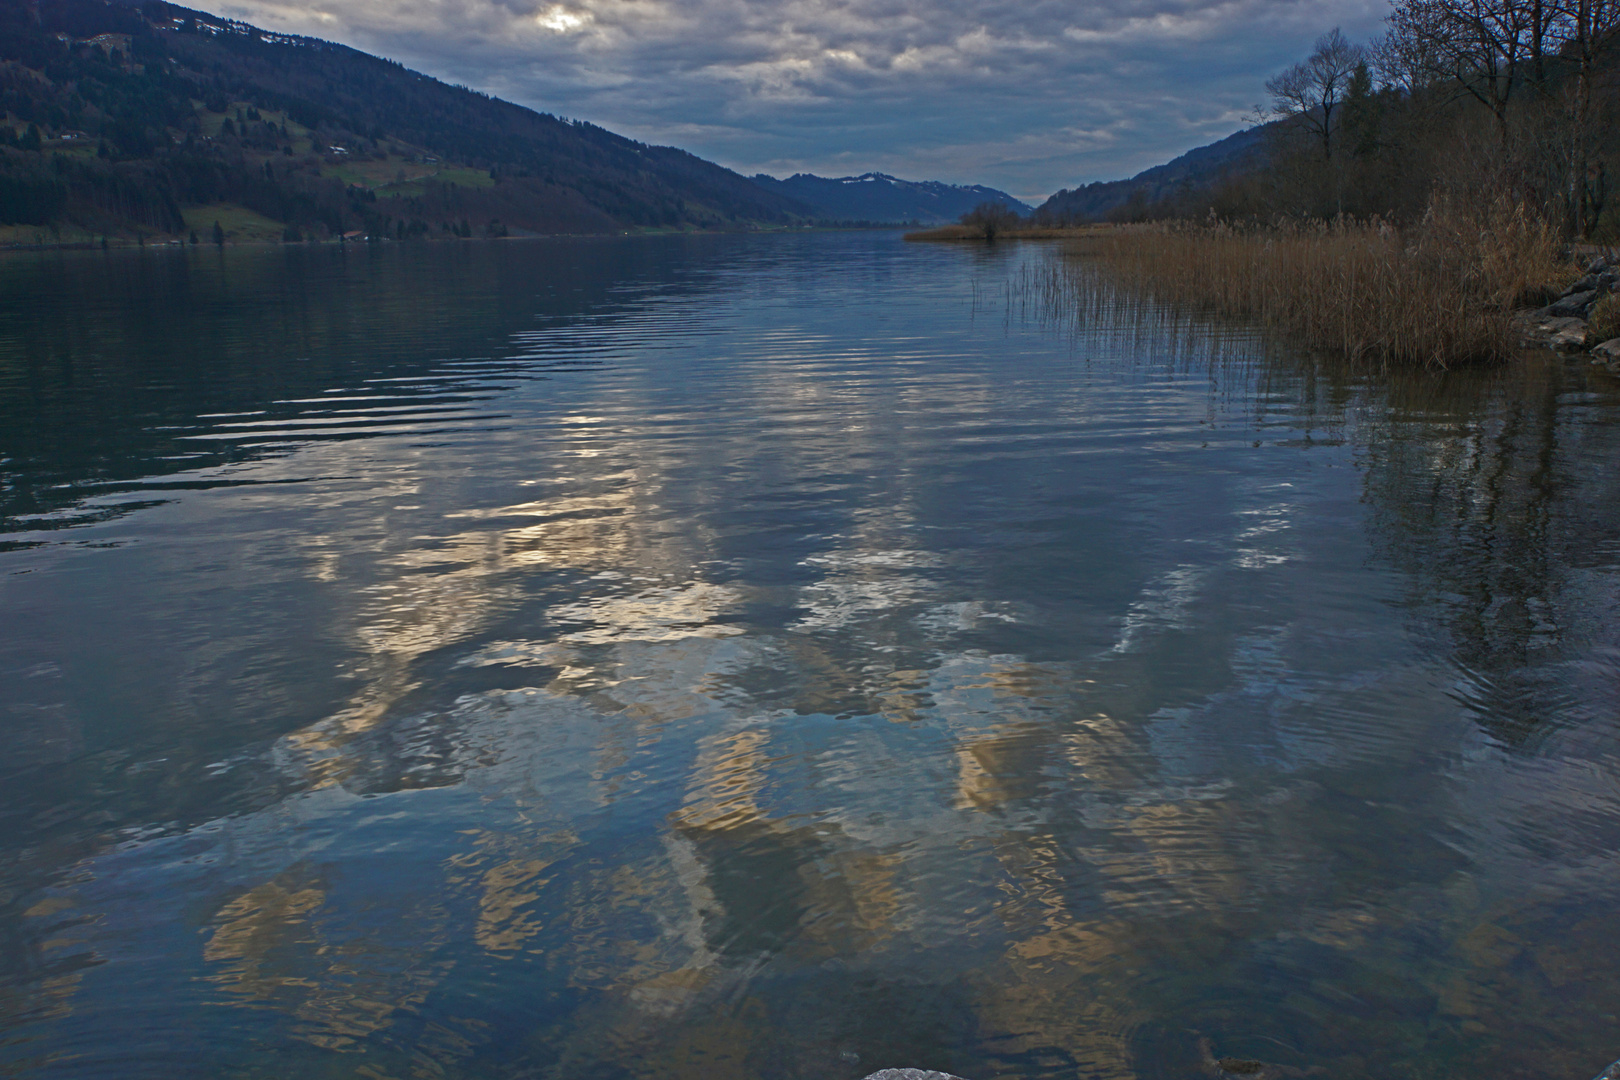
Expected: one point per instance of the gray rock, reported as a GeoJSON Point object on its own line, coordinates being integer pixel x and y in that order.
{"type": "Point", "coordinates": [1608, 352]}
{"type": "Point", "coordinates": [1536, 328]}
{"type": "Point", "coordinates": [1611, 1073]}
{"type": "Point", "coordinates": [1598, 263]}
{"type": "Point", "coordinates": [1600, 283]}
{"type": "Point", "coordinates": [1562, 332]}
{"type": "Point", "coordinates": [1569, 337]}
{"type": "Point", "coordinates": [1573, 305]}
{"type": "Point", "coordinates": [1545, 326]}
{"type": "Point", "coordinates": [909, 1074]}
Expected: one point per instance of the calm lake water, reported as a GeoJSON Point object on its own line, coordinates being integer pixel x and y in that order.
{"type": "Point", "coordinates": [726, 658]}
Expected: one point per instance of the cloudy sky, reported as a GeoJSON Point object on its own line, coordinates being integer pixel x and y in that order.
{"type": "Point", "coordinates": [1025, 95]}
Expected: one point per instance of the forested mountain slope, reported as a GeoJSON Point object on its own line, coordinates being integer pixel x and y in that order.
{"type": "Point", "coordinates": [122, 119]}
{"type": "Point", "coordinates": [1195, 171]}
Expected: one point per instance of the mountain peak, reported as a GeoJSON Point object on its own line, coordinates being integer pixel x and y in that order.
{"type": "Point", "coordinates": [879, 197]}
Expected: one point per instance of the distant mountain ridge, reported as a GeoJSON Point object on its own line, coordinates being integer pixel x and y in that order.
{"type": "Point", "coordinates": [879, 197]}
{"type": "Point", "coordinates": [1196, 170]}
{"type": "Point", "coordinates": [143, 119]}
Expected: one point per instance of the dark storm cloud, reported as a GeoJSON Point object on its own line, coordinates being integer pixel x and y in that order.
{"type": "Point", "coordinates": [1029, 96]}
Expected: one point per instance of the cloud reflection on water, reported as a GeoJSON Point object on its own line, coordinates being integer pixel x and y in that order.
{"type": "Point", "coordinates": [674, 739]}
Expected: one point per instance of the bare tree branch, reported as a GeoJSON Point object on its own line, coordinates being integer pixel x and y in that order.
{"type": "Point", "coordinates": [1312, 91]}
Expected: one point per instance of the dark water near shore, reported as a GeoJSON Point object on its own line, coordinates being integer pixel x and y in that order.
{"type": "Point", "coordinates": [784, 657]}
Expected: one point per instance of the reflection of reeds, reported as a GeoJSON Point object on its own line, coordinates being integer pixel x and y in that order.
{"type": "Point", "coordinates": [1081, 297]}
{"type": "Point", "coordinates": [1440, 293]}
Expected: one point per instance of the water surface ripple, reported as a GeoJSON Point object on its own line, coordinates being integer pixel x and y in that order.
{"type": "Point", "coordinates": [756, 657]}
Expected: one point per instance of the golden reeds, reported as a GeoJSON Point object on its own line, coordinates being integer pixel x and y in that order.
{"type": "Point", "coordinates": [1439, 293]}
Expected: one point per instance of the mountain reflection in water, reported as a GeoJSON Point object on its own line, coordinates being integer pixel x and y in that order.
{"type": "Point", "coordinates": [784, 657]}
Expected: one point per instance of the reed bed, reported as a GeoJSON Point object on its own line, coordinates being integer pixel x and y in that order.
{"type": "Point", "coordinates": [1080, 297]}
{"type": "Point", "coordinates": [1440, 293]}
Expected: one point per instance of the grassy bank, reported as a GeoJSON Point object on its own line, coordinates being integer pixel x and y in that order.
{"type": "Point", "coordinates": [1440, 293]}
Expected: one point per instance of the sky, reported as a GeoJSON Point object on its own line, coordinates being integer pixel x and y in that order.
{"type": "Point", "coordinates": [1024, 95]}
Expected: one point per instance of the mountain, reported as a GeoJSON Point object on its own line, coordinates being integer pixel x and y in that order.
{"type": "Point", "coordinates": [128, 118]}
{"type": "Point", "coordinates": [876, 197]}
{"type": "Point", "coordinates": [1196, 170]}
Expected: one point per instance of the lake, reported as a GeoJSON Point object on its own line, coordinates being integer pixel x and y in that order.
{"type": "Point", "coordinates": [729, 657]}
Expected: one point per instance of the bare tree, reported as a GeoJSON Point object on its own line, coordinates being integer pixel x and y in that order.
{"type": "Point", "coordinates": [1543, 15]}
{"type": "Point", "coordinates": [1313, 90]}
{"type": "Point", "coordinates": [1403, 63]}
{"type": "Point", "coordinates": [1591, 27]}
{"type": "Point", "coordinates": [993, 217]}
{"type": "Point", "coordinates": [1492, 49]}
{"type": "Point", "coordinates": [1481, 45]}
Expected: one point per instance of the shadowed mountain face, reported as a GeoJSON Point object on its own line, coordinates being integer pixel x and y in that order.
{"type": "Point", "coordinates": [1196, 170]}
{"type": "Point", "coordinates": [878, 197]}
{"type": "Point", "coordinates": [125, 115]}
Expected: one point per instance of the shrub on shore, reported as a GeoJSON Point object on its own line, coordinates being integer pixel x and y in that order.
{"type": "Point", "coordinates": [990, 219]}
{"type": "Point", "coordinates": [1605, 319]}
{"type": "Point", "coordinates": [1439, 293]}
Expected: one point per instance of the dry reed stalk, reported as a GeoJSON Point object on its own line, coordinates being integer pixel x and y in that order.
{"type": "Point", "coordinates": [1438, 294]}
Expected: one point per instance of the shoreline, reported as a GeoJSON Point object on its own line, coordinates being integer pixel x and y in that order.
{"type": "Point", "coordinates": [1485, 285]}
{"type": "Point", "coordinates": [171, 243]}
{"type": "Point", "coordinates": [1558, 326]}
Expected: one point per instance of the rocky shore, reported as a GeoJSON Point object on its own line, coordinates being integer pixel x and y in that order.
{"type": "Point", "coordinates": [1566, 324]}
{"type": "Point", "coordinates": [1224, 1068]}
